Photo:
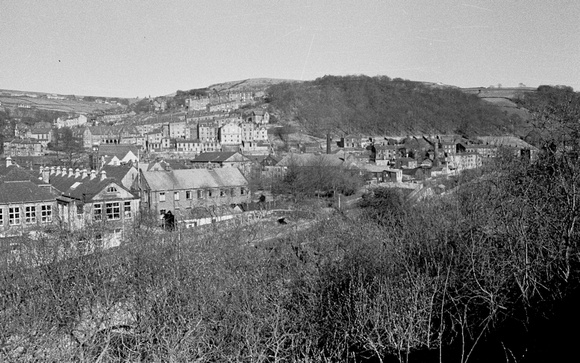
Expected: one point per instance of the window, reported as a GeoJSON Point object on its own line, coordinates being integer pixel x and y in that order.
{"type": "Point", "coordinates": [175, 195]}
{"type": "Point", "coordinates": [113, 210]}
{"type": "Point", "coordinates": [1, 216]}
{"type": "Point", "coordinates": [242, 191]}
{"type": "Point", "coordinates": [46, 213]}
{"type": "Point", "coordinates": [111, 189]}
{"type": "Point", "coordinates": [210, 193]}
{"type": "Point", "coordinates": [127, 209]}
{"type": "Point", "coordinates": [14, 216]}
{"type": "Point", "coordinates": [30, 214]}
{"type": "Point", "coordinates": [162, 196]}
{"type": "Point", "coordinates": [200, 194]}
{"type": "Point", "coordinates": [188, 195]}
{"type": "Point", "coordinates": [162, 211]}
{"type": "Point", "coordinates": [222, 193]}
{"type": "Point", "coordinates": [97, 211]}
{"type": "Point", "coordinates": [80, 210]}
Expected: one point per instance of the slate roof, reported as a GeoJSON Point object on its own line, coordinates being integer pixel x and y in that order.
{"type": "Point", "coordinates": [214, 157]}
{"type": "Point", "coordinates": [314, 160]}
{"type": "Point", "coordinates": [23, 192]}
{"type": "Point", "coordinates": [118, 150]}
{"type": "Point", "coordinates": [116, 172]}
{"type": "Point", "coordinates": [193, 179]}
{"type": "Point", "coordinates": [20, 174]}
{"type": "Point", "coordinates": [82, 188]}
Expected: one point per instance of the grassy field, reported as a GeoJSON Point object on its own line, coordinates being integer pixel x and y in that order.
{"type": "Point", "coordinates": [73, 106]}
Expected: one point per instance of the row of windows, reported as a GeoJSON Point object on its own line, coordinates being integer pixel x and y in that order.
{"type": "Point", "coordinates": [111, 210]}
{"type": "Point", "coordinates": [28, 215]}
{"type": "Point", "coordinates": [201, 194]}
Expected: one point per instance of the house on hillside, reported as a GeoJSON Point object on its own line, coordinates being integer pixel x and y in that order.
{"type": "Point", "coordinates": [42, 135]}
{"type": "Point", "coordinates": [222, 160]}
{"type": "Point", "coordinates": [260, 117]}
{"type": "Point", "coordinates": [117, 154]}
{"type": "Point", "coordinates": [80, 120]}
{"type": "Point", "coordinates": [230, 134]}
{"type": "Point", "coordinates": [381, 174]}
{"type": "Point", "coordinates": [23, 147]}
{"type": "Point", "coordinates": [183, 191]}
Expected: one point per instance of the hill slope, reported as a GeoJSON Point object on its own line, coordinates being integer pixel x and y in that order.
{"type": "Point", "coordinates": [361, 104]}
{"type": "Point", "coordinates": [252, 84]}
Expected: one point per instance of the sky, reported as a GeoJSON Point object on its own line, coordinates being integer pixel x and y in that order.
{"type": "Point", "coordinates": [126, 48]}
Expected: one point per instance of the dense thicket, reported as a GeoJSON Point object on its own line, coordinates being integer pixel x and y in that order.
{"type": "Point", "coordinates": [556, 111]}
{"type": "Point", "coordinates": [382, 105]}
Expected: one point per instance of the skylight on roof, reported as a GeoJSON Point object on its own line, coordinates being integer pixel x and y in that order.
{"type": "Point", "coordinates": [75, 185]}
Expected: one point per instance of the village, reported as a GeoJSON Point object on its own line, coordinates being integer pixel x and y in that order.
{"type": "Point", "coordinates": [210, 163]}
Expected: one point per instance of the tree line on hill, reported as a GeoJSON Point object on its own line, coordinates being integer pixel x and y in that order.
{"type": "Point", "coordinates": [362, 104]}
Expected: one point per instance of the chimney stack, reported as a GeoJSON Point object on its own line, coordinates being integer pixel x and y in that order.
{"type": "Point", "coordinates": [46, 175]}
{"type": "Point", "coordinates": [52, 170]}
{"type": "Point", "coordinates": [103, 175]}
{"type": "Point", "coordinates": [8, 161]}
{"type": "Point", "coordinates": [93, 174]}
{"type": "Point", "coordinates": [77, 173]}
{"type": "Point", "coordinates": [57, 170]}
{"type": "Point", "coordinates": [70, 172]}
{"type": "Point", "coordinates": [84, 173]}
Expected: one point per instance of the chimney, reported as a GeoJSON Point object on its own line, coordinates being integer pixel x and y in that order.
{"type": "Point", "coordinates": [70, 172]}
{"type": "Point", "coordinates": [84, 173]}
{"type": "Point", "coordinates": [328, 143]}
{"type": "Point", "coordinates": [77, 173]}
{"type": "Point", "coordinates": [41, 169]}
{"type": "Point", "coordinates": [52, 170]}
{"type": "Point", "coordinates": [46, 175]}
{"type": "Point", "coordinates": [103, 175]}
{"type": "Point", "coordinates": [57, 170]}
{"type": "Point", "coordinates": [93, 174]}
{"type": "Point", "coordinates": [8, 161]}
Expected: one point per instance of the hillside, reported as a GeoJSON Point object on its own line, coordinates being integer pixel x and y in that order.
{"type": "Point", "coordinates": [67, 104]}
{"type": "Point", "coordinates": [371, 105]}
{"type": "Point", "coordinates": [253, 84]}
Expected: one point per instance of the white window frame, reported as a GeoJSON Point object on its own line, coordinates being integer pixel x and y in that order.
{"type": "Point", "coordinates": [14, 216]}
{"type": "Point", "coordinates": [175, 195]}
{"type": "Point", "coordinates": [97, 211]}
{"type": "Point", "coordinates": [113, 211]}
{"type": "Point", "coordinates": [46, 213]}
{"type": "Point", "coordinates": [162, 196]}
{"type": "Point", "coordinates": [127, 210]}
{"type": "Point", "coordinates": [30, 214]}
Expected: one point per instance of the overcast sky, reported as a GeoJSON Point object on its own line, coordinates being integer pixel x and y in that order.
{"type": "Point", "coordinates": [141, 48]}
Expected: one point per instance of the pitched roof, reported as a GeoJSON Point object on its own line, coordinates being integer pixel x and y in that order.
{"type": "Point", "coordinates": [315, 160]}
{"type": "Point", "coordinates": [217, 157]}
{"type": "Point", "coordinates": [20, 174]}
{"type": "Point", "coordinates": [118, 150]}
{"type": "Point", "coordinates": [116, 172]}
{"type": "Point", "coordinates": [194, 179]}
{"type": "Point", "coordinates": [82, 188]}
{"type": "Point", "coordinates": [23, 192]}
